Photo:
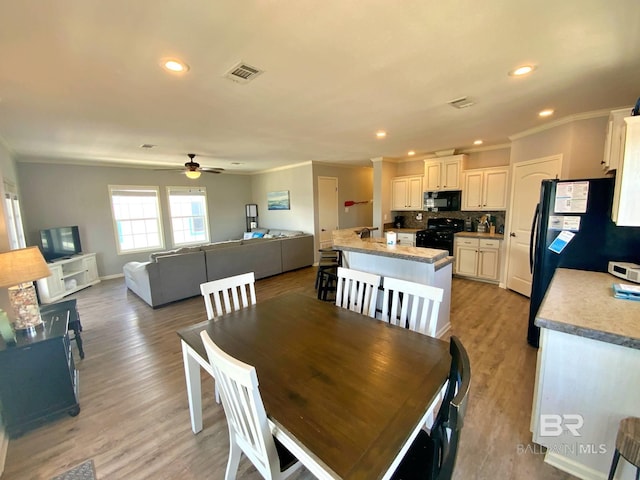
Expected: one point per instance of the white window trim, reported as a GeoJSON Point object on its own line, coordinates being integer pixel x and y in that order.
{"type": "Point", "coordinates": [188, 190]}
{"type": "Point", "coordinates": [142, 188]}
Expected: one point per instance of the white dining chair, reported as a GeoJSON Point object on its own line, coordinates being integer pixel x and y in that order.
{"type": "Point", "coordinates": [357, 291]}
{"type": "Point", "coordinates": [414, 306]}
{"type": "Point", "coordinates": [249, 430]}
{"type": "Point", "coordinates": [228, 294]}
{"type": "Point", "coordinates": [411, 305]}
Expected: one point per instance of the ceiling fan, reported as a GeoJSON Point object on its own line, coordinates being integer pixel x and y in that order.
{"type": "Point", "coordinates": [193, 169]}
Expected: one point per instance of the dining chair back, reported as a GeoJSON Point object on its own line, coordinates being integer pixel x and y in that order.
{"type": "Point", "coordinates": [228, 294]}
{"type": "Point", "coordinates": [433, 455]}
{"type": "Point", "coordinates": [249, 430]}
{"type": "Point", "coordinates": [357, 291]}
{"type": "Point", "coordinates": [411, 305]}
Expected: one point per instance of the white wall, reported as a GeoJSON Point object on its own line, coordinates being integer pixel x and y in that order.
{"type": "Point", "coordinates": [57, 195]}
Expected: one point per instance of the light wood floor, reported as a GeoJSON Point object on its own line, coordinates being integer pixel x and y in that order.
{"type": "Point", "coordinates": [134, 421]}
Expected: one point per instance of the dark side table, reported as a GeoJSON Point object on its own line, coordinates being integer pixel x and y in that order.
{"type": "Point", "coordinates": [38, 378]}
{"type": "Point", "coordinates": [74, 318]}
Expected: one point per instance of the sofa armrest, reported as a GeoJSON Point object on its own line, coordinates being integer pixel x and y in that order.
{"type": "Point", "coordinates": [297, 252]}
{"type": "Point", "coordinates": [136, 278]}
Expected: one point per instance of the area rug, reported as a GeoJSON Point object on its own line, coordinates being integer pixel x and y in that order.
{"type": "Point", "coordinates": [84, 471]}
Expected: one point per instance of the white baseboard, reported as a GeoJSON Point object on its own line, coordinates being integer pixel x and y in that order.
{"type": "Point", "coordinates": [574, 468]}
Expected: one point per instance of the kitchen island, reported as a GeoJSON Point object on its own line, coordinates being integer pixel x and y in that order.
{"type": "Point", "coordinates": [428, 266]}
{"type": "Point", "coordinates": [588, 372]}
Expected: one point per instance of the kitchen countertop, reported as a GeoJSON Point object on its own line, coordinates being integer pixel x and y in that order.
{"type": "Point", "coordinates": [582, 303]}
{"type": "Point", "coordinates": [403, 230]}
{"type": "Point", "coordinates": [494, 236]}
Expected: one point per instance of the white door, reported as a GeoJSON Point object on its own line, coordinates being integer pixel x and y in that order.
{"type": "Point", "coordinates": [525, 195]}
{"type": "Point", "coordinates": [327, 209]}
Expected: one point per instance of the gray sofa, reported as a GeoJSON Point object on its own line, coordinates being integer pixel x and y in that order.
{"type": "Point", "coordinates": [176, 275]}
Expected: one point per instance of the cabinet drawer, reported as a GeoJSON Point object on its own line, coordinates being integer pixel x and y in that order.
{"type": "Point", "coordinates": [467, 242]}
{"type": "Point", "coordinates": [486, 243]}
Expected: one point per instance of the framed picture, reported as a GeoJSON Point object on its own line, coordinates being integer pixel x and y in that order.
{"type": "Point", "coordinates": [278, 200]}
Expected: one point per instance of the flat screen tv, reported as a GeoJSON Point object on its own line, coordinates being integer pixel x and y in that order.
{"type": "Point", "coordinates": [60, 242]}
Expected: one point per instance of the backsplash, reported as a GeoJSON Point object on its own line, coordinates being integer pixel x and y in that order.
{"type": "Point", "coordinates": [410, 221]}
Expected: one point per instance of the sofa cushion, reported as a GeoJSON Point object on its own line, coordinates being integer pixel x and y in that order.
{"type": "Point", "coordinates": [285, 233]}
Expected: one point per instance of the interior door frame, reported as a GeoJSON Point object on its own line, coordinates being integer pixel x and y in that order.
{"type": "Point", "coordinates": [337, 211]}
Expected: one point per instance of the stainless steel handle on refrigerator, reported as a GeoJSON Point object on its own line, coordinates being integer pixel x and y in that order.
{"type": "Point", "coordinates": [533, 233]}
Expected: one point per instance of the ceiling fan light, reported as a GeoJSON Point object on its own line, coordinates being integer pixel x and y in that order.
{"type": "Point", "coordinates": [192, 174]}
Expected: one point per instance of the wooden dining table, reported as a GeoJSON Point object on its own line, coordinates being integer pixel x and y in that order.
{"type": "Point", "coordinates": [344, 392]}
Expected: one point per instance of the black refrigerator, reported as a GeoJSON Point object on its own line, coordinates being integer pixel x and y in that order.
{"type": "Point", "coordinates": [581, 210]}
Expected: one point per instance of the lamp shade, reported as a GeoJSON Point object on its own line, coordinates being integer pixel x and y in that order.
{"type": "Point", "coordinates": [22, 265]}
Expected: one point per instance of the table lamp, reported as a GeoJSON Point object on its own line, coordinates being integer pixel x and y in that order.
{"type": "Point", "coordinates": [18, 269]}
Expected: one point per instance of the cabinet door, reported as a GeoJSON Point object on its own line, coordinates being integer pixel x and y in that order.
{"type": "Point", "coordinates": [52, 287]}
{"type": "Point", "coordinates": [414, 191]}
{"type": "Point", "coordinates": [488, 263]}
{"type": "Point", "coordinates": [91, 268]}
{"type": "Point", "coordinates": [472, 191]}
{"type": "Point", "coordinates": [432, 172]}
{"type": "Point", "coordinates": [626, 195]}
{"type": "Point", "coordinates": [451, 175]}
{"type": "Point", "coordinates": [466, 260]}
{"type": "Point", "coordinates": [495, 189]}
{"type": "Point", "coordinates": [399, 188]}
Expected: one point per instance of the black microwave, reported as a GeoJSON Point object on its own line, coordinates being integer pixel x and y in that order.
{"type": "Point", "coordinates": [448, 201]}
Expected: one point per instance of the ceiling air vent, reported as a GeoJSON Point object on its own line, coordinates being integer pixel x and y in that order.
{"type": "Point", "coordinates": [242, 73]}
{"type": "Point", "coordinates": [462, 102]}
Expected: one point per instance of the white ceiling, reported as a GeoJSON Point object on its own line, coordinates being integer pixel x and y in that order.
{"type": "Point", "coordinates": [81, 81]}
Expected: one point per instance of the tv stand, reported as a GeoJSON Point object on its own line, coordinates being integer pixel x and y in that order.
{"type": "Point", "coordinates": [68, 275]}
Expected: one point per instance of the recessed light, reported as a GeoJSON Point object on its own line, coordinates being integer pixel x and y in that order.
{"type": "Point", "coordinates": [411, 153]}
{"type": "Point", "coordinates": [478, 142]}
{"type": "Point", "coordinates": [148, 145]}
{"type": "Point", "coordinates": [237, 163]}
{"type": "Point", "coordinates": [174, 65]}
{"type": "Point", "coordinates": [522, 70]}
{"type": "Point", "coordinates": [381, 134]}
{"type": "Point", "coordinates": [546, 113]}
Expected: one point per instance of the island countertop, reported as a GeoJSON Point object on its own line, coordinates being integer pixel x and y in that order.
{"type": "Point", "coordinates": [581, 303]}
{"type": "Point", "coordinates": [378, 246]}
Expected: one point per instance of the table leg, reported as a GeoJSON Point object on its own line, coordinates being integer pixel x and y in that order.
{"type": "Point", "coordinates": [78, 339]}
{"type": "Point", "coordinates": [194, 387]}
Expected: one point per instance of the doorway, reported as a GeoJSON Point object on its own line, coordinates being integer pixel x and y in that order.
{"type": "Point", "coordinates": [525, 195]}
{"type": "Point", "coordinates": [327, 209]}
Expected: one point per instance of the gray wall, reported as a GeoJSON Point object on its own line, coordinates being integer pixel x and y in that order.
{"type": "Point", "coordinates": [355, 184]}
{"type": "Point", "coordinates": [581, 143]}
{"type": "Point", "coordinates": [298, 181]}
{"type": "Point", "coordinates": [58, 195]}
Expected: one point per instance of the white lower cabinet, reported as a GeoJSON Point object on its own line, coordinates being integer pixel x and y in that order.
{"type": "Point", "coordinates": [407, 239]}
{"type": "Point", "coordinates": [67, 277]}
{"type": "Point", "coordinates": [477, 257]}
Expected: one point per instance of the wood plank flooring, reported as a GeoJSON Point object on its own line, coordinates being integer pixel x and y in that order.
{"type": "Point", "coordinates": [135, 424]}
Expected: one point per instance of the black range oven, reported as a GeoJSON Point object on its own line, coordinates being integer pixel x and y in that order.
{"type": "Point", "coordinates": [439, 233]}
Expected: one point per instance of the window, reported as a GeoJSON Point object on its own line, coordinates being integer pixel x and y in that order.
{"type": "Point", "coordinates": [14, 219]}
{"type": "Point", "coordinates": [136, 218]}
{"type": "Point", "coordinates": [189, 220]}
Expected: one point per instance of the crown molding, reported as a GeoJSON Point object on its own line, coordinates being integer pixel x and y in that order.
{"type": "Point", "coordinates": [562, 121]}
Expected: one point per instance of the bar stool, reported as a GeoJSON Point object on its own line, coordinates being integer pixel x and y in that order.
{"type": "Point", "coordinates": [627, 445]}
{"type": "Point", "coordinates": [329, 260]}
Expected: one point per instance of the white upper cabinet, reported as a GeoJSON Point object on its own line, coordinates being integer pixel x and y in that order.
{"type": "Point", "coordinates": [406, 193]}
{"type": "Point", "coordinates": [626, 197]}
{"type": "Point", "coordinates": [614, 142]}
{"type": "Point", "coordinates": [444, 173]}
{"type": "Point", "coordinates": [485, 189]}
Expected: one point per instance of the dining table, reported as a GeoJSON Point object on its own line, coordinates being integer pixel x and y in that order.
{"type": "Point", "coordinates": [345, 393]}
